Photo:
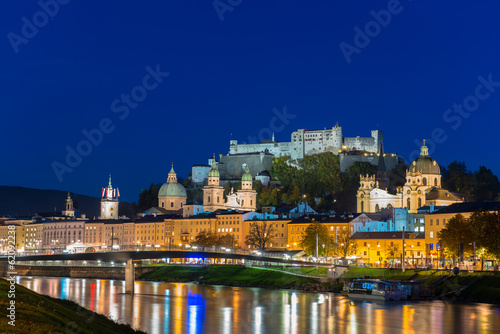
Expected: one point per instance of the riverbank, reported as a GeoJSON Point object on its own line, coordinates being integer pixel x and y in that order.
{"type": "Point", "coordinates": [36, 313]}
{"type": "Point", "coordinates": [236, 275]}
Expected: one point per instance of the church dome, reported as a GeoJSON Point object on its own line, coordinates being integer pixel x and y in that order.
{"type": "Point", "coordinates": [425, 164]}
{"type": "Point", "coordinates": [172, 190]}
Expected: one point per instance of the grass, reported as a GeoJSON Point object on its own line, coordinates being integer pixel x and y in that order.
{"type": "Point", "coordinates": [309, 271]}
{"type": "Point", "coordinates": [40, 314]}
{"type": "Point", "coordinates": [235, 275]}
{"type": "Point", "coordinates": [385, 273]}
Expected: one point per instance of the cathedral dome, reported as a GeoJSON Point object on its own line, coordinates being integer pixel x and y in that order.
{"type": "Point", "coordinates": [172, 190]}
{"type": "Point", "coordinates": [425, 164]}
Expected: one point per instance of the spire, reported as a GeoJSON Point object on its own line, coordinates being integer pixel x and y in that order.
{"type": "Point", "coordinates": [68, 199]}
{"type": "Point", "coordinates": [172, 171]}
{"type": "Point", "coordinates": [381, 160]}
{"type": "Point", "coordinates": [109, 185]}
{"type": "Point", "coordinates": [273, 137]}
{"type": "Point", "coordinates": [424, 151]}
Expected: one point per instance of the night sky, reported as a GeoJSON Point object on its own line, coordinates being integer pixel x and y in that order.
{"type": "Point", "coordinates": [227, 72]}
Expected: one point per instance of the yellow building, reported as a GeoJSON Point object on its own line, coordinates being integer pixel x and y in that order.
{"type": "Point", "coordinates": [34, 236]}
{"type": "Point", "coordinates": [334, 224]}
{"type": "Point", "coordinates": [18, 239]}
{"type": "Point", "coordinates": [150, 232]}
{"type": "Point", "coordinates": [94, 234]}
{"type": "Point", "coordinates": [185, 229]}
{"type": "Point", "coordinates": [280, 228]}
{"type": "Point", "coordinates": [385, 248]}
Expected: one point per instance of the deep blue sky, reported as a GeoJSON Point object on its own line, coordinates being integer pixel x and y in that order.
{"type": "Point", "coordinates": [227, 76]}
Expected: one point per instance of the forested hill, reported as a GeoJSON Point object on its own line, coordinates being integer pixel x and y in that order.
{"type": "Point", "coordinates": [20, 201]}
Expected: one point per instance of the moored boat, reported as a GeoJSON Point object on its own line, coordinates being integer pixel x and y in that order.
{"type": "Point", "coordinates": [375, 289]}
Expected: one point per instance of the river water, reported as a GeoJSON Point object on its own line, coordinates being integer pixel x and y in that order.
{"type": "Point", "coordinates": [192, 308]}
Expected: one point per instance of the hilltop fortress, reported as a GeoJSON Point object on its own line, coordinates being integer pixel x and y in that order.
{"type": "Point", "coordinates": [303, 143]}
{"type": "Point", "coordinates": [309, 142]}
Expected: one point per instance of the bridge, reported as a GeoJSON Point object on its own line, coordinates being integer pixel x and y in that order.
{"type": "Point", "coordinates": [130, 256]}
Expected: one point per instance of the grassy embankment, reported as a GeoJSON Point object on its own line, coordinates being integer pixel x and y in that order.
{"type": "Point", "coordinates": [486, 290]}
{"type": "Point", "coordinates": [42, 314]}
{"type": "Point", "coordinates": [234, 275]}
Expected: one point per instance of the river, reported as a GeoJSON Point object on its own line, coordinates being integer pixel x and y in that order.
{"type": "Point", "coordinates": [192, 308]}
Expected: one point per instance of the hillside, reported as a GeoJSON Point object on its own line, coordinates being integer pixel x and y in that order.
{"type": "Point", "coordinates": [20, 201]}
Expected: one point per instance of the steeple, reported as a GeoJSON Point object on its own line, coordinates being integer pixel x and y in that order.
{"type": "Point", "coordinates": [273, 137]}
{"type": "Point", "coordinates": [69, 199]}
{"type": "Point", "coordinates": [381, 179]}
{"type": "Point", "coordinates": [109, 185]}
{"type": "Point", "coordinates": [424, 151]}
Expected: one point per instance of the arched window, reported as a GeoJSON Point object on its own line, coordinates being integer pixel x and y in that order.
{"type": "Point", "coordinates": [408, 203]}
{"type": "Point", "coordinates": [217, 199]}
{"type": "Point", "coordinates": [389, 206]}
{"type": "Point", "coordinates": [424, 181]}
{"type": "Point", "coordinates": [420, 202]}
{"type": "Point", "coordinates": [208, 199]}
{"type": "Point", "coordinates": [435, 182]}
{"type": "Point", "coordinates": [377, 208]}
{"type": "Point", "coordinates": [362, 206]}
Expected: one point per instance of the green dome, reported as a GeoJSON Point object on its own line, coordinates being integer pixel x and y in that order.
{"type": "Point", "coordinates": [172, 190]}
{"type": "Point", "coordinates": [424, 163]}
{"type": "Point", "coordinates": [247, 176]}
{"type": "Point", "coordinates": [214, 172]}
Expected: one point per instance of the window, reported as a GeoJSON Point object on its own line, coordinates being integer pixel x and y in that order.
{"type": "Point", "coordinates": [418, 244]}
{"type": "Point", "coordinates": [365, 253]}
{"type": "Point", "coordinates": [378, 253]}
{"type": "Point", "coordinates": [431, 223]}
{"type": "Point", "coordinates": [171, 204]}
{"type": "Point", "coordinates": [437, 222]}
{"type": "Point", "coordinates": [431, 247]}
{"type": "Point", "coordinates": [431, 234]}
{"type": "Point", "coordinates": [365, 244]}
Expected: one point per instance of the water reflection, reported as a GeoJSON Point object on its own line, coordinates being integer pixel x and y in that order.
{"type": "Point", "coordinates": [189, 308]}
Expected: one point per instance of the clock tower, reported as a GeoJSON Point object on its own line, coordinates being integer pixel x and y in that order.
{"type": "Point", "coordinates": [109, 202]}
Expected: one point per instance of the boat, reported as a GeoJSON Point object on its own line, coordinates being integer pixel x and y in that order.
{"type": "Point", "coordinates": [376, 289]}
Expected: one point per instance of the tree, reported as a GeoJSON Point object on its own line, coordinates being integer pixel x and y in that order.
{"type": "Point", "coordinates": [206, 239]}
{"type": "Point", "coordinates": [487, 231]}
{"type": "Point", "coordinates": [260, 234]}
{"type": "Point", "coordinates": [345, 244]}
{"type": "Point", "coordinates": [308, 242]}
{"type": "Point", "coordinates": [225, 240]}
{"type": "Point", "coordinates": [457, 230]}
{"type": "Point", "coordinates": [148, 198]}
{"type": "Point", "coordinates": [393, 252]}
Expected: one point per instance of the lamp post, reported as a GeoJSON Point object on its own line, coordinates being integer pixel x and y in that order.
{"type": "Point", "coordinates": [368, 253]}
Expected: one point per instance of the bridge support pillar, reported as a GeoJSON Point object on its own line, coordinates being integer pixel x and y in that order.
{"type": "Point", "coordinates": [129, 277]}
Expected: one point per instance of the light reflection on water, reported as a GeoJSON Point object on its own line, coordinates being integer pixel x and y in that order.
{"type": "Point", "coordinates": [190, 308]}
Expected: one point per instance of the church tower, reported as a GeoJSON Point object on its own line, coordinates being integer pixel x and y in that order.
{"type": "Point", "coordinates": [69, 207]}
{"type": "Point", "coordinates": [366, 185]}
{"type": "Point", "coordinates": [213, 193]}
{"type": "Point", "coordinates": [247, 196]}
{"type": "Point", "coordinates": [109, 202]}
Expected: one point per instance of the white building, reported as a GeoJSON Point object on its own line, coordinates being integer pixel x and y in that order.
{"type": "Point", "coordinates": [109, 202]}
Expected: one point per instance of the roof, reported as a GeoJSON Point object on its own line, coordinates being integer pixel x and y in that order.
{"type": "Point", "coordinates": [204, 215]}
{"type": "Point", "coordinates": [426, 165]}
{"type": "Point", "coordinates": [387, 235]}
{"type": "Point", "coordinates": [443, 194]}
{"type": "Point", "coordinates": [325, 219]}
{"type": "Point", "coordinates": [155, 219]}
{"type": "Point", "coordinates": [469, 207]}
{"type": "Point", "coordinates": [156, 209]}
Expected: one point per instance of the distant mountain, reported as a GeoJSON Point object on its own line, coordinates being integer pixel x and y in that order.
{"type": "Point", "coordinates": [20, 201]}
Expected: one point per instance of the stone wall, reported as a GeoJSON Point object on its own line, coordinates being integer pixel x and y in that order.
{"type": "Point", "coordinates": [231, 166]}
